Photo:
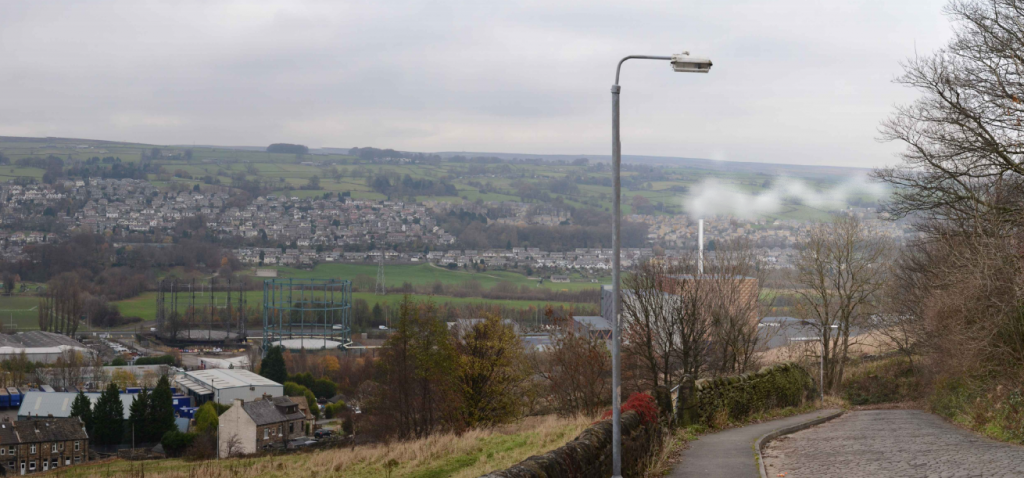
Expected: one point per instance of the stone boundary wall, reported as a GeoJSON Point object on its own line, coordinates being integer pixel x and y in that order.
{"type": "Point", "coordinates": [590, 453]}
{"type": "Point", "coordinates": [738, 396]}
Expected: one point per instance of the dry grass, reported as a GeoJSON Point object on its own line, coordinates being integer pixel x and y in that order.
{"type": "Point", "coordinates": [468, 455]}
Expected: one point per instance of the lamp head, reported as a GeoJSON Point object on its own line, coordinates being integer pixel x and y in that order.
{"type": "Point", "coordinates": [684, 63]}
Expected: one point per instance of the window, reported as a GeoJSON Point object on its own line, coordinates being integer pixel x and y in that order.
{"type": "Point", "coordinates": [67, 460]}
{"type": "Point", "coordinates": [62, 446]}
{"type": "Point", "coordinates": [53, 448]}
{"type": "Point", "coordinates": [32, 450]}
{"type": "Point", "coordinates": [78, 459]}
{"type": "Point", "coordinates": [32, 466]}
{"type": "Point", "coordinates": [3, 451]}
{"type": "Point", "coordinates": [54, 463]}
{"type": "Point", "coordinates": [266, 433]}
{"type": "Point", "coordinates": [291, 428]}
{"type": "Point", "coordinates": [280, 429]}
{"type": "Point", "coordinates": [76, 446]}
{"type": "Point", "coordinates": [10, 450]}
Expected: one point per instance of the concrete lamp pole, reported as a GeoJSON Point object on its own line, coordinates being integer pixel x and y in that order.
{"type": "Point", "coordinates": [681, 63]}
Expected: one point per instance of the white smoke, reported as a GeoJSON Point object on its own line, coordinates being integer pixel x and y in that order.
{"type": "Point", "coordinates": [713, 197]}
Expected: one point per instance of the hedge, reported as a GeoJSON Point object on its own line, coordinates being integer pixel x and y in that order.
{"type": "Point", "coordinates": [777, 386]}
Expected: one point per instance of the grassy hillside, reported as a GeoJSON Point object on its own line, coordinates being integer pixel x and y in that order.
{"type": "Point", "coordinates": [469, 455]}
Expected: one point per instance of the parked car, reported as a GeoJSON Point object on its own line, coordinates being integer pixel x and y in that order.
{"type": "Point", "coordinates": [322, 433]}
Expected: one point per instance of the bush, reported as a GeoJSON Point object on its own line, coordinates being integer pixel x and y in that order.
{"type": "Point", "coordinates": [641, 403]}
{"type": "Point", "coordinates": [884, 381]}
{"type": "Point", "coordinates": [334, 410]}
{"type": "Point", "coordinates": [161, 360]}
{"type": "Point", "coordinates": [175, 443]}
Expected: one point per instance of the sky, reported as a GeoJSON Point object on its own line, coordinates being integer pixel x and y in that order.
{"type": "Point", "coordinates": [793, 81]}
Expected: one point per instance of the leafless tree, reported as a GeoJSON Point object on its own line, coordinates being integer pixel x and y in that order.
{"type": "Point", "coordinates": [738, 302]}
{"type": "Point", "coordinates": [649, 331]}
{"type": "Point", "coordinates": [964, 136]}
{"type": "Point", "coordinates": [840, 274]}
{"type": "Point", "coordinates": [577, 370]}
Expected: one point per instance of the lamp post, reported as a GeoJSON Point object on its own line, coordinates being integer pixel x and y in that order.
{"type": "Point", "coordinates": [821, 362]}
{"type": "Point", "coordinates": [681, 63]}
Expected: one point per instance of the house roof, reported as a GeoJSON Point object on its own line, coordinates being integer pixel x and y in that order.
{"type": "Point", "coordinates": [593, 322]}
{"type": "Point", "coordinates": [265, 412]}
{"type": "Point", "coordinates": [47, 430]}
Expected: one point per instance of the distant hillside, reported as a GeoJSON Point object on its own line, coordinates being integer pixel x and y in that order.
{"type": "Point", "coordinates": [774, 169]}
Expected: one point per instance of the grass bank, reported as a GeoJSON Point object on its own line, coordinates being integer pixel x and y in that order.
{"type": "Point", "coordinates": [469, 455]}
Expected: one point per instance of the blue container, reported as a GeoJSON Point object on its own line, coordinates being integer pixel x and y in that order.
{"type": "Point", "coordinates": [133, 390]}
{"type": "Point", "coordinates": [5, 398]}
{"type": "Point", "coordinates": [15, 396]}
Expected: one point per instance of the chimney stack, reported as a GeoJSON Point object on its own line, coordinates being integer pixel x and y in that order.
{"type": "Point", "coordinates": [700, 247]}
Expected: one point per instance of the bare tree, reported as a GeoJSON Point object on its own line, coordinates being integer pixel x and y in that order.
{"type": "Point", "coordinates": [964, 136]}
{"type": "Point", "coordinates": [840, 274]}
{"type": "Point", "coordinates": [649, 331]}
{"type": "Point", "coordinates": [738, 302]}
{"type": "Point", "coordinates": [577, 370]}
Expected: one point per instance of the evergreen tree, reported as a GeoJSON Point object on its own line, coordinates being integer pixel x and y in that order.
{"type": "Point", "coordinates": [138, 417]}
{"type": "Point", "coordinates": [161, 411]}
{"type": "Point", "coordinates": [206, 418]}
{"type": "Point", "coordinates": [272, 367]}
{"type": "Point", "coordinates": [82, 408]}
{"type": "Point", "coordinates": [108, 417]}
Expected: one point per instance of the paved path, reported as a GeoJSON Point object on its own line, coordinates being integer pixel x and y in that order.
{"type": "Point", "coordinates": [730, 454]}
{"type": "Point", "coordinates": [891, 443]}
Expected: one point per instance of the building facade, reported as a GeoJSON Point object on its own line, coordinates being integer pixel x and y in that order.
{"type": "Point", "coordinates": [248, 427]}
{"type": "Point", "coordinates": [36, 446]}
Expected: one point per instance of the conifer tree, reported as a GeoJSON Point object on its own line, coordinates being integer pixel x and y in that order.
{"type": "Point", "coordinates": [108, 417]}
{"type": "Point", "coordinates": [273, 367]}
{"type": "Point", "coordinates": [138, 417]}
{"type": "Point", "coordinates": [82, 408]}
{"type": "Point", "coordinates": [161, 411]}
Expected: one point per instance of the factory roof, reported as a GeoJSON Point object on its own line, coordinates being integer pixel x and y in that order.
{"type": "Point", "coordinates": [58, 404]}
{"type": "Point", "coordinates": [219, 379]}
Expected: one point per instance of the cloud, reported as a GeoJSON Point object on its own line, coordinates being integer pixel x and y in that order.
{"type": "Point", "coordinates": [793, 82]}
{"type": "Point", "coordinates": [713, 197]}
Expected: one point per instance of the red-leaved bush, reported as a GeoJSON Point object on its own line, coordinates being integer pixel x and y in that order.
{"type": "Point", "coordinates": [641, 403]}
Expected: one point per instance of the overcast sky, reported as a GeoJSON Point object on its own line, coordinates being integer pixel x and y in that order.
{"type": "Point", "coordinates": [794, 81]}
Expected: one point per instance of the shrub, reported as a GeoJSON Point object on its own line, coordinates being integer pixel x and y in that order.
{"type": "Point", "coordinates": [884, 381]}
{"type": "Point", "coordinates": [641, 403]}
{"type": "Point", "coordinates": [175, 443]}
{"type": "Point", "coordinates": [737, 397]}
{"type": "Point", "coordinates": [161, 360]}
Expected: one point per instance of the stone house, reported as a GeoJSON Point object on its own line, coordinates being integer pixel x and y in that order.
{"type": "Point", "coordinates": [33, 446]}
{"type": "Point", "coordinates": [248, 427]}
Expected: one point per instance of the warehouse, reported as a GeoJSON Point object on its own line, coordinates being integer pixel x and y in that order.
{"type": "Point", "coordinates": [39, 346]}
{"type": "Point", "coordinates": [225, 385]}
{"type": "Point", "coordinates": [58, 404]}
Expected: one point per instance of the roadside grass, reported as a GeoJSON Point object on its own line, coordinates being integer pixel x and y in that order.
{"type": "Point", "coordinates": [468, 455]}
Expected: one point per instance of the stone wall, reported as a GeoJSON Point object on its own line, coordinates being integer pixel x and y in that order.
{"type": "Point", "coordinates": [590, 454]}
{"type": "Point", "coordinates": [736, 397]}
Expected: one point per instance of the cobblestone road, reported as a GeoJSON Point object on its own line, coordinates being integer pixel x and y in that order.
{"type": "Point", "coordinates": [891, 443]}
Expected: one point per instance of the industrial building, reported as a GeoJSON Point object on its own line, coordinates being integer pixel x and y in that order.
{"type": "Point", "coordinates": [40, 346]}
{"type": "Point", "coordinates": [58, 404]}
{"type": "Point", "coordinates": [225, 385]}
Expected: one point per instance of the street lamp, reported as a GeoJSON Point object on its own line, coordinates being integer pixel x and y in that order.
{"type": "Point", "coordinates": [682, 63]}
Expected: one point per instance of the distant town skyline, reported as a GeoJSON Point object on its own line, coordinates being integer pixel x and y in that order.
{"type": "Point", "coordinates": [793, 82]}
